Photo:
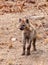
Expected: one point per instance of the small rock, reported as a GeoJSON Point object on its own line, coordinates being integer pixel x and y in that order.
{"type": "Point", "coordinates": [10, 46]}
{"type": "Point", "coordinates": [46, 40]}
{"type": "Point", "coordinates": [13, 39]}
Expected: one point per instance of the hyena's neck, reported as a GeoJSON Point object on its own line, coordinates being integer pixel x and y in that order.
{"type": "Point", "coordinates": [27, 29]}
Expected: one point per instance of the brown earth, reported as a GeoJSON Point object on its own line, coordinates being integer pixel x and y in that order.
{"type": "Point", "coordinates": [11, 36]}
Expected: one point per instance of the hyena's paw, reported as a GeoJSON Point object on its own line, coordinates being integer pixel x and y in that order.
{"type": "Point", "coordinates": [23, 54]}
{"type": "Point", "coordinates": [28, 54]}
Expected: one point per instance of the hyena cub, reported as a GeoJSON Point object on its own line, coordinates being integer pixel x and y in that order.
{"type": "Point", "coordinates": [29, 35]}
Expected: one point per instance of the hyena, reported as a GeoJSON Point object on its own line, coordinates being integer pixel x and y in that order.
{"type": "Point", "coordinates": [29, 35]}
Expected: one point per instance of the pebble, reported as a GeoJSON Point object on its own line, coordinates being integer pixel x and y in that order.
{"type": "Point", "coordinates": [13, 39]}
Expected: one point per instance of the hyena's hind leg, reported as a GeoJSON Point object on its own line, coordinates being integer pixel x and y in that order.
{"type": "Point", "coordinates": [34, 42]}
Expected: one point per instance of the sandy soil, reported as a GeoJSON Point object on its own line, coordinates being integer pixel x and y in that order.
{"type": "Point", "coordinates": [11, 50]}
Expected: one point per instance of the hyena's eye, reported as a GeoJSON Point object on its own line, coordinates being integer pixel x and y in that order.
{"type": "Point", "coordinates": [27, 21]}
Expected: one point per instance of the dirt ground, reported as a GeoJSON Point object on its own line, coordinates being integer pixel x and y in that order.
{"type": "Point", "coordinates": [11, 38]}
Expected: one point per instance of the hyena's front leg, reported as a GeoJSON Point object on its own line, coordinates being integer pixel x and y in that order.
{"type": "Point", "coordinates": [34, 46]}
{"type": "Point", "coordinates": [24, 45]}
{"type": "Point", "coordinates": [28, 48]}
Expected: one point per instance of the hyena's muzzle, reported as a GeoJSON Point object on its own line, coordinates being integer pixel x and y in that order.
{"type": "Point", "coordinates": [22, 27]}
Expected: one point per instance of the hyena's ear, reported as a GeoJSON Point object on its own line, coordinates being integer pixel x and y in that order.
{"type": "Point", "coordinates": [27, 21]}
{"type": "Point", "coordinates": [20, 20]}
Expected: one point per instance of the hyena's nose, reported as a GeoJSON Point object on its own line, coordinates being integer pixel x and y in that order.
{"type": "Point", "coordinates": [21, 28]}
